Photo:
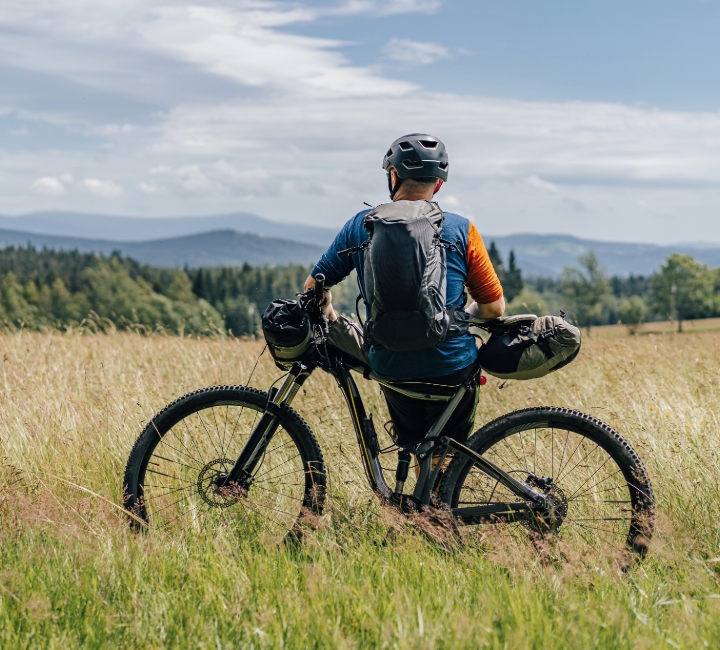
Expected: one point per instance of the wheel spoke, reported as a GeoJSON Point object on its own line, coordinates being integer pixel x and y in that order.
{"type": "Point", "coordinates": [586, 492]}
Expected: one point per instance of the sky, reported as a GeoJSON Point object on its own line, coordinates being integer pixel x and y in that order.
{"type": "Point", "coordinates": [596, 119]}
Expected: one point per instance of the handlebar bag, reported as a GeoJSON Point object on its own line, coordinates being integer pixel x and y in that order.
{"type": "Point", "coordinates": [287, 330]}
{"type": "Point", "coordinates": [530, 351]}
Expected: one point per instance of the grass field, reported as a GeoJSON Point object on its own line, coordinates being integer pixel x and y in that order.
{"type": "Point", "coordinates": [72, 574]}
{"type": "Point", "coordinates": [698, 326]}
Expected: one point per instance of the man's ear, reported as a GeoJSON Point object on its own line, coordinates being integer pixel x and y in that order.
{"type": "Point", "coordinates": [394, 177]}
{"type": "Point", "coordinates": [437, 187]}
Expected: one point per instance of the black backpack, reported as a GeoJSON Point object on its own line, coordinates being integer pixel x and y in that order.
{"type": "Point", "coordinates": [405, 278]}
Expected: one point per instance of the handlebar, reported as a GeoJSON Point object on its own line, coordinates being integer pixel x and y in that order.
{"type": "Point", "coordinates": [319, 287]}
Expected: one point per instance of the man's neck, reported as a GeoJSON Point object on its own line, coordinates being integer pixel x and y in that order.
{"type": "Point", "coordinates": [413, 196]}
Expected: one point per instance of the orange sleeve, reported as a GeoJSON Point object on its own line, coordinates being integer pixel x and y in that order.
{"type": "Point", "coordinates": [482, 284]}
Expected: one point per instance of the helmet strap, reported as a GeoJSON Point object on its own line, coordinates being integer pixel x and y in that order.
{"type": "Point", "coordinates": [438, 186]}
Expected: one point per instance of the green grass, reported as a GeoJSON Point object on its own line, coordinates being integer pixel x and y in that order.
{"type": "Point", "coordinates": [72, 575]}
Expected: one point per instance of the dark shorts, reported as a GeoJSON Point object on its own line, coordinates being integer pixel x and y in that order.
{"type": "Point", "coordinates": [412, 418]}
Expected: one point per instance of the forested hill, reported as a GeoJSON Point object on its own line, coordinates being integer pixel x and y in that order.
{"type": "Point", "coordinates": [57, 289]}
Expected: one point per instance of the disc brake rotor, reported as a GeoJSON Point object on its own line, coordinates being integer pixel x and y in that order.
{"type": "Point", "coordinates": [212, 494]}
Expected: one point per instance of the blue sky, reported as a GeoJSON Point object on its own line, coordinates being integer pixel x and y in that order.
{"type": "Point", "coordinates": [599, 119]}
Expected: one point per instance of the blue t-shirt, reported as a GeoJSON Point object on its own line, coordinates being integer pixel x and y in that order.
{"type": "Point", "coordinates": [455, 354]}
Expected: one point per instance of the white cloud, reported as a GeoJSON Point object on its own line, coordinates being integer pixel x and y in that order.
{"type": "Point", "coordinates": [148, 188]}
{"type": "Point", "coordinates": [539, 184]}
{"type": "Point", "coordinates": [386, 7]}
{"type": "Point", "coordinates": [48, 186]}
{"type": "Point", "coordinates": [66, 178]}
{"type": "Point", "coordinates": [104, 189]}
{"type": "Point", "coordinates": [188, 179]}
{"type": "Point", "coordinates": [414, 52]}
{"type": "Point", "coordinates": [243, 46]}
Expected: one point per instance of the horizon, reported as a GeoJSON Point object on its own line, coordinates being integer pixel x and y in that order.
{"type": "Point", "coordinates": [699, 245]}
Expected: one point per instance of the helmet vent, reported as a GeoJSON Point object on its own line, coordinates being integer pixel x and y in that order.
{"type": "Point", "coordinates": [410, 164]}
{"type": "Point", "coordinates": [406, 146]}
{"type": "Point", "coordinates": [389, 153]}
{"type": "Point", "coordinates": [428, 144]}
{"type": "Point", "coordinates": [443, 166]}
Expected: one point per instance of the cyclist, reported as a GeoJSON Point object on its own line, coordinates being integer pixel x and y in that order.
{"type": "Point", "coordinates": [469, 266]}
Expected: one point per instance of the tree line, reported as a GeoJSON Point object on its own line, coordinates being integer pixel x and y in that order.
{"type": "Point", "coordinates": [60, 289]}
{"type": "Point", "coordinates": [682, 289]}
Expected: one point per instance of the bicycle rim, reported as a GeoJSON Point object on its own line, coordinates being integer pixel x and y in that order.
{"type": "Point", "coordinates": [598, 492]}
{"type": "Point", "coordinates": [176, 491]}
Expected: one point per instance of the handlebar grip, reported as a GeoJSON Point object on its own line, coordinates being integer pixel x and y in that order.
{"type": "Point", "coordinates": [319, 286]}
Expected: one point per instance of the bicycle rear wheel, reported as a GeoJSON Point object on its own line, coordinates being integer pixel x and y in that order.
{"type": "Point", "coordinates": [598, 490]}
{"type": "Point", "coordinates": [170, 474]}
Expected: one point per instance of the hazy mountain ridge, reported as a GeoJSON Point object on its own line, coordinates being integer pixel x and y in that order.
{"type": "Point", "coordinates": [243, 237]}
{"type": "Point", "coordinates": [215, 248]}
{"type": "Point", "coordinates": [140, 229]}
{"type": "Point", "coordinates": [547, 255]}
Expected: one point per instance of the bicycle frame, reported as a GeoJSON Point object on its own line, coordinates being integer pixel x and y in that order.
{"type": "Point", "coordinates": [432, 444]}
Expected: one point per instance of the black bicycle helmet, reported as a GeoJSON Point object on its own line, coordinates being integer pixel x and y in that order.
{"type": "Point", "coordinates": [417, 155]}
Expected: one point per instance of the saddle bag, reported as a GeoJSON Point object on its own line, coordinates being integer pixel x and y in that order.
{"type": "Point", "coordinates": [530, 350]}
{"type": "Point", "coordinates": [404, 271]}
{"type": "Point", "coordinates": [287, 332]}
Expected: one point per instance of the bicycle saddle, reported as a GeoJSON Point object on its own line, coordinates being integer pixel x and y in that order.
{"type": "Point", "coordinates": [503, 324]}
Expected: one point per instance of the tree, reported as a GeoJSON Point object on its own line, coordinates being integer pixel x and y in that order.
{"type": "Point", "coordinates": [510, 279]}
{"type": "Point", "coordinates": [586, 290]}
{"type": "Point", "coordinates": [632, 312]}
{"type": "Point", "coordinates": [682, 289]}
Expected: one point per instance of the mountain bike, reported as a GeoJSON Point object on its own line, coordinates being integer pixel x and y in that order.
{"type": "Point", "coordinates": [241, 459]}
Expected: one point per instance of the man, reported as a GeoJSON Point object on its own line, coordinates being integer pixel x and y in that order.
{"type": "Point", "coordinates": [417, 166]}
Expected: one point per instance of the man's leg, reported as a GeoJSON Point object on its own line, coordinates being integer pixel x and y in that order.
{"type": "Point", "coordinates": [412, 418]}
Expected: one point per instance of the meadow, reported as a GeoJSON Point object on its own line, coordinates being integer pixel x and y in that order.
{"type": "Point", "coordinates": [74, 575]}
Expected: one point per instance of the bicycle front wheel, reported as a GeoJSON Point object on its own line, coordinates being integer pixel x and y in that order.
{"type": "Point", "coordinates": [170, 479]}
{"type": "Point", "coordinates": [597, 489]}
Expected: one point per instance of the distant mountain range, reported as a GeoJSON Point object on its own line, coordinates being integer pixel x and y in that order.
{"type": "Point", "coordinates": [214, 248]}
{"type": "Point", "coordinates": [242, 237]}
{"type": "Point", "coordinates": [138, 229]}
{"type": "Point", "coordinates": [547, 255]}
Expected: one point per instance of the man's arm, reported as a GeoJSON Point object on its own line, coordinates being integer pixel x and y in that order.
{"type": "Point", "coordinates": [482, 283]}
{"type": "Point", "coordinates": [487, 310]}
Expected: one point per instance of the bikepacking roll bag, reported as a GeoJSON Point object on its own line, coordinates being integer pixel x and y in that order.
{"type": "Point", "coordinates": [405, 278]}
{"type": "Point", "coordinates": [532, 350]}
{"type": "Point", "coordinates": [287, 331]}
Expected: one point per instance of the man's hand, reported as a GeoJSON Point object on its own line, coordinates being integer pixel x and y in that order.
{"type": "Point", "coordinates": [489, 310]}
{"type": "Point", "coordinates": [327, 303]}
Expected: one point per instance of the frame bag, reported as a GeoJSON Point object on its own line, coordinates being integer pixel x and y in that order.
{"type": "Point", "coordinates": [287, 331]}
{"type": "Point", "coordinates": [531, 350]}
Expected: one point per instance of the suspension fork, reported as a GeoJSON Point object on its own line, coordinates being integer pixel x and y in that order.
{"type": "Point", "coordinates": [365, 431]}
{"type": "Point", "coordinates": [266, 428]}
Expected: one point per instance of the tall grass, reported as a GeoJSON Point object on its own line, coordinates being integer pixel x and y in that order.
{"type": "Point", "coordinates": [72, 574]}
